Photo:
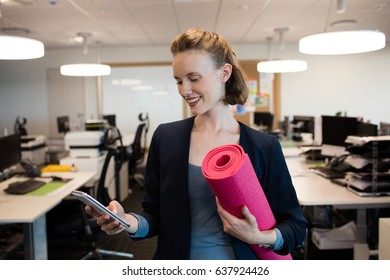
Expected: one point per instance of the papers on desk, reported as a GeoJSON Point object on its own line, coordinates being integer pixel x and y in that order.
{"type": "Point", "coordinates": [292, 152]}
{"type": "Point", "coordinates": [362, 140]}
{"type": "Point", "coordinates": [366, 185]}
{"type": "Point", "coordinates": [365, 145]}
{"type": "Point", "coordinates": [369, 155]}
{"type": "Point", "coordinates": [57, 168]}
{"type": "Point", "coordinates": [337, 238]}
{"type": "Point", "coordinates": [298, 151]}
{"type": "Point", "coordinates": [357, 161]}
{"type": "Point", "coordinates": [362, 183]}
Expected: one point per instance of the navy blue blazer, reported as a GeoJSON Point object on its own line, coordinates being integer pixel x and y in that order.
{"type": "Point", "coordinates": [166, 202]}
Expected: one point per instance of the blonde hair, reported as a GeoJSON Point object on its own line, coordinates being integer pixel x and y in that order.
{"type": "Point", "coordinates": [221, 52]}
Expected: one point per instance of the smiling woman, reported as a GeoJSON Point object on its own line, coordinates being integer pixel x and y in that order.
{"type": "Point", "coordinates": [179, 206]}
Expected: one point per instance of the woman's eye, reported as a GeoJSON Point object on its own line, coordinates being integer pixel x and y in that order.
{"type": "Point", "coordinates": [194, 79]}
{"type": "Point", "coordinates": [179, 82]}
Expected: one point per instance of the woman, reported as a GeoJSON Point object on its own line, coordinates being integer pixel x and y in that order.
{"type": "Point", "coordinates": [179, 206]}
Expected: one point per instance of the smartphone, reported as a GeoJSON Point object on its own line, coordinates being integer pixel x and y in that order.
{"type": "Point", "coordinates": [100, 208]}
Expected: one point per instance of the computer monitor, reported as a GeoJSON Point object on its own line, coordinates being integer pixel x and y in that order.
{"type": "Point", "coordinates": [10, 151]}
{"type": "Point", "coordinates": [335, 129]}
{"type": "Point", "coordinates": [63, 124]}
{"type": "Point", "coordinates": [303, 124]}
{"type": "Point", "coordinates": [367, 129]}
{"type": "Point", "coordinates": [111, 119]}
{"type": "Point", "coordinates": [263, 119]}
{"type": "Point", "coordinates": [384, 128]}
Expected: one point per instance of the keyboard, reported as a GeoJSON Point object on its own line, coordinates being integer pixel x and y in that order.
{"type": "Point", "coordinates": [23, 187]}
{"type": "Point", "coordinates": [327, 172]}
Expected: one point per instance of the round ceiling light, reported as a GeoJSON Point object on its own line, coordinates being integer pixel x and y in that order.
{"type": "Point", "coordinates": [282, 66]}
{"type": "Point", "coordinates": [86, 69]}
{"type": "Point", "coordinates": [18, 48]}
{"type": "Point", "coordinates": [342, 42]}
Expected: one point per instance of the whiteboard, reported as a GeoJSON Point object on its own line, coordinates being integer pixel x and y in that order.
{"type": "Point", "coordinates": [131, 90]}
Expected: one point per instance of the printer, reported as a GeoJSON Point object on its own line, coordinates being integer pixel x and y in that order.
{"type": "Point", "coordinates": [87, 153]}
{"type": "Point", "coordinates": [33, 147]}
{"type": "Point", "coordinates": [84, 143]}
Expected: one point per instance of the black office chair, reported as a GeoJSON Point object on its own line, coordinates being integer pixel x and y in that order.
{"type": "Point", "coordinates": [20, 126]}
{"type": "Point", "coordinates": [137, 150]}
{"type": "Point", "coordinates": [118, 153]}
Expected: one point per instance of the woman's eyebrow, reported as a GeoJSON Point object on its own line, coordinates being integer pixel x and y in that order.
{"type": "Point", "coordinates": [187, 75]}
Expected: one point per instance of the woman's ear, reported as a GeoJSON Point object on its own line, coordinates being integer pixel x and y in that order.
{"type": "Point", "coordinates": [226, 72]}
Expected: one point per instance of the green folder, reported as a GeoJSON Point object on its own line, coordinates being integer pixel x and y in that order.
{"type": "Point", "coordinates": [47, 188]}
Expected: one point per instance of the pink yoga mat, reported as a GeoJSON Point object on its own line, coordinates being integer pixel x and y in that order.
{"type": "Point", "coordinates": [231, 176]}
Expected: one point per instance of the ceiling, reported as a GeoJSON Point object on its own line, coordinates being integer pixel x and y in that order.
{"type": "Point", "coordinates": [156, 22]}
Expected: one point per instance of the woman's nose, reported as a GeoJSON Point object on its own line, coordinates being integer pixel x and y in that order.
{"type": "Point", "coordinates": [185, 89]}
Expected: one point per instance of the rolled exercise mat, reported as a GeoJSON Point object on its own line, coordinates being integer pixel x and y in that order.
{"type": "Point", "coordinates": [231, 176]}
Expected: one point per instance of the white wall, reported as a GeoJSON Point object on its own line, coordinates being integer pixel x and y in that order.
{"type": "Point", "coordinates": [357, 84]}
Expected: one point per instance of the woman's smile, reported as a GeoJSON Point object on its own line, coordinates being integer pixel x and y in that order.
{"type": "Point", "coordinates": [193, 100]}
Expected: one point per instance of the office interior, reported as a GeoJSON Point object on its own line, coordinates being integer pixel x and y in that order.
{"type": "Point", "coordinates": [354, 85]}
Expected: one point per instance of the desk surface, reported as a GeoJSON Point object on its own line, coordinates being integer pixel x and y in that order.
{"type": "Point", "coordinates": [314, 190]}
{"type": "Point", "coordinates": [26, 209]}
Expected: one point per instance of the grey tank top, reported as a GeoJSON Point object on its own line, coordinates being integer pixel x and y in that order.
{"type": "Point", "coordinates": [208, 240]}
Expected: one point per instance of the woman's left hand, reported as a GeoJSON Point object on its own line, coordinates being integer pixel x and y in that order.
{"type": "Point", "coordinates": [245, 229]}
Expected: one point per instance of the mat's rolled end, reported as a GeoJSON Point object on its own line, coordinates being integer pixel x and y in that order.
{"type": "Point", "coordinates": [223, 161]}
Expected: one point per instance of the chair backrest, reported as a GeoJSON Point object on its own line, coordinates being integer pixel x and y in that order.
{"type": "Point", "coordinates": [144, 117]}
{"type": "Point", "coordinates": [116, 151]}
{"type": "Point", "coordinates": [138, 150]}
{"type": "Point", "coordinates": [111, 137]}
{"type": "Point", "coordinates": [102, 192]}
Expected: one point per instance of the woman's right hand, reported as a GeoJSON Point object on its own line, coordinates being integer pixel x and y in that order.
{"type": "Point", "coordinates": [109, 225]}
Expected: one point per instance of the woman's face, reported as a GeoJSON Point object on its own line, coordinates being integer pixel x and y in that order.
{"type": "Point", "coordinates": [198, 81]}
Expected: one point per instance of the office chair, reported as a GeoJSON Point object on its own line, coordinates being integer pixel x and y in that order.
{"type": "Point", "coordinates": [20, 126]}
{"type": "Point", "coordinates": [136, 151]}
{"type": "Point", "coordinates": [118, 153]}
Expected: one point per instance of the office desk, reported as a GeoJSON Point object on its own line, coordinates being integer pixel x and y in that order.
{"type": "Point", "coordinates": [314, 190]}
{"type": "Point", "coordinates": [31, 210]}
